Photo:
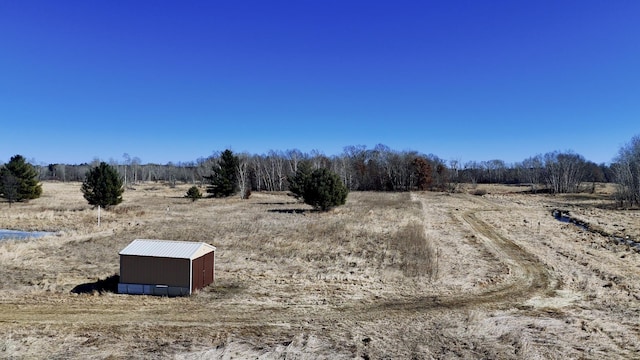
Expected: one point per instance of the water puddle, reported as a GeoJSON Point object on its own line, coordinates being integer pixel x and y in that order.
{"type": "Point", "coordinates": [563, 216]}
{"type": "Point", "coordinates": [6, 234]}
{"type": "Point", "coordinates": [622, 241]}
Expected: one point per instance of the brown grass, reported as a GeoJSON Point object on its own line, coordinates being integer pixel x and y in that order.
{"type": "Point", "coordinates": [415, 250]}
{"type": "Point", "coordinates": [388, 275]}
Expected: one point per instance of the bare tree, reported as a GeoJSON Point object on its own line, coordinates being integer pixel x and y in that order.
{"type": "Point", "coordinates": [276, 167]}
{"type": "Point", "coordinates": [127, 161]}
{"type": "Point", "coordinates": [244, 182]}
{"type": "Point", "coordinates": [626, 170]}
{"type": "Point", "coordinates": [564, 171]}
{"type": "Point", "coordinates": [294, 156]}
{"type": "Point", "coordinates": [532, 171]}
{"type": "Point", "coordinates": [135, 164]}
{"type": "Point", "coordinates": [473, 171]}
{"type": "Point", "coordinates": [258, 171]}
{"type": "Point", "coordinates": [423, 173]}
{"type": "Point", "coordinates": [454, 172]}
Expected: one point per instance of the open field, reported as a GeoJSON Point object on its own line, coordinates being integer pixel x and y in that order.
{"type": "Point", "coordinates": [388, 275]}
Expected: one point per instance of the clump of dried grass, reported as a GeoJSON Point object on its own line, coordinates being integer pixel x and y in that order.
{"type": "Point", "coordinates": [417, 254]}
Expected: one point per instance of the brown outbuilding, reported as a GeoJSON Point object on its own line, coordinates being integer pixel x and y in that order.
{"type": "Point", "coordinates": [165, 267]}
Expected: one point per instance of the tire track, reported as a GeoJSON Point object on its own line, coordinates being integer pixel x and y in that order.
{"type": "Point", "coordinates": [528, 277]}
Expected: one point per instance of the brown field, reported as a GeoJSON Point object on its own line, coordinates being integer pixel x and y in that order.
{"type": "Point", "coordinates": [388, 275]}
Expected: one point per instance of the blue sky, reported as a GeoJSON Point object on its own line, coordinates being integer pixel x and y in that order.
{"type": "Point", "coordinates": [177, 80]}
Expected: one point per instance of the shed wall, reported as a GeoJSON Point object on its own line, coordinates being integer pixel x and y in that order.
{"type": "Point", "coordinates": [203, 273]}
{"type": "Point", "coordinates": [154, 270]}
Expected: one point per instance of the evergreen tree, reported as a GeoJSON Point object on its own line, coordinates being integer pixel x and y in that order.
{"type": "Point", "coordinates": [19, 180]}
{"type": "Point", "coordinates": [9, 188]}
{"type": "Point", "coordinates": [224, 179]}
{"type": "Point", "coordinates": [324, 190]}
{"type": "Point", "coordinates": [193, 193]}
{"type": "Point", "coordinates": [103, 186]}
{"type": "Point", "coordinates": [298, 181]}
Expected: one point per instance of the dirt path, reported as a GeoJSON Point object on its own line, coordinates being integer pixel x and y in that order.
{"type": "Point", "coordinates": [527, 276]}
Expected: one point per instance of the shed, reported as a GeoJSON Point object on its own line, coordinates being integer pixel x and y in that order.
{"type": "Point", "coordinates": [165, 267]}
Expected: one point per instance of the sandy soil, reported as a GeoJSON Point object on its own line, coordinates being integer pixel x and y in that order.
{"type": "Point", "coordinates": [420, 275]}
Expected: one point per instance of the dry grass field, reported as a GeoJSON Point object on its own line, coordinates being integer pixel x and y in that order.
{"type": "Point", "coordinates": [387, 276]}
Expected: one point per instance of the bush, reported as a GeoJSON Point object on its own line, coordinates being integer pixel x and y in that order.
{"type": "Point", "coordinates": [193, 193]}
{"type": "Point", "coordinates": [479, 192]}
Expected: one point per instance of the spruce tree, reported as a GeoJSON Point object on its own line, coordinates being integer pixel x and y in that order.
{"type": "Point", "coordinates": [19, 180]}
{"type": "Point", "coordinates": [224, 179]}
{"type": "Point", "coordinates": [103, 186]}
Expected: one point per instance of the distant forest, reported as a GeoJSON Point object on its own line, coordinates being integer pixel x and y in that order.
{"type": "Point", "coordinates": [362, 169]}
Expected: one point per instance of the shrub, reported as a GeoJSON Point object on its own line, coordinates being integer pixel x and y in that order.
{"type": "Point", "coordinates": [479, 192]}
{"type": "Point", "coordinates": [193, 193]}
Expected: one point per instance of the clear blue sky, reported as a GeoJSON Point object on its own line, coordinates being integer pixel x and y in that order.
{"type": "Point", "coordinates": [177, 80]}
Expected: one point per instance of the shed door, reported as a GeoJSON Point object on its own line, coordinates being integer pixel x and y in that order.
{"type": "Point", "coordinates": [198, 273]}
{"type": "Point", "coordinates": [203, 272]}
{"type": "Point", "coordinates": [208, 270]}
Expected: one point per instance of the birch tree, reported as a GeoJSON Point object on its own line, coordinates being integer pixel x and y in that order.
{"type": "Point", "coordinates": [626, 170]}
{"type": "Point", "coordinates": [244, 181]}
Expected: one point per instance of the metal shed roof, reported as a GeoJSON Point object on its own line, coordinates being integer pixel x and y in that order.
{"type": "Point", "coordinates": [167, 248]}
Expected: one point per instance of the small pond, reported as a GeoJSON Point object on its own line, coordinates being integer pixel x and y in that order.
{"type": "Point", "coordinates": [16, 234]}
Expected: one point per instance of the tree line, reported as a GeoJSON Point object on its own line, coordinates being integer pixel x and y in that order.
{"type": "Point", "coordinates": [381, 169]}
{"type": "Point", "coordinates": [377, 169]}
{"type": "Point", "coordinates": [361, 169]}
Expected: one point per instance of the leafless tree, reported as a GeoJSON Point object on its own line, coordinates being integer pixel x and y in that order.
{"type": "Point", "coordinates": [454, 171]}
{"type": "Point", "coordinates": [294, 156]}
{"type": "Point", "coordinates": [244, 182]}
{"type": "Point", "coordinates": [127, 162]}
{"type": "Point", "coordinates": [564, 171]}
{"type": "Point", "coordinates": [135, 164]}
{"type": "Point", "coordinates": [532, 171]}
{"type": "Point", "coordinates": [626, 170]}
{"type": "Point", "coordinates": [473, 171]}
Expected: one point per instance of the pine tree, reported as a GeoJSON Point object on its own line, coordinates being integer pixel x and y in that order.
{"type": "Point", "coordinates": [193, 193]}
{"type": "Point", "coordinates": [103, 186]}
{"type": "Point", "coordinates": [224, 179]}
{"type": "Point", "coordinates": [324, 190]}
{"type": "Point", "coordinates": [19, 180]}
{"type": "Point", "coordinates": [9, 187]}
{"type": "Point", "coordinates": [298, 181]}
